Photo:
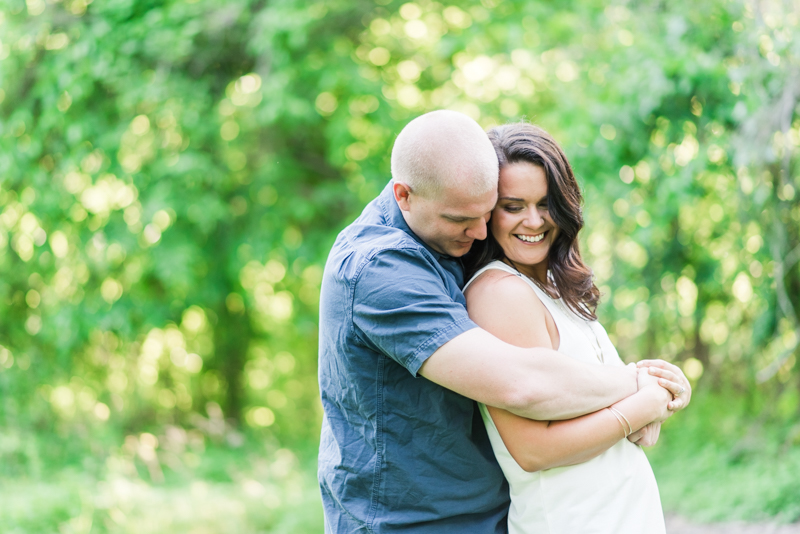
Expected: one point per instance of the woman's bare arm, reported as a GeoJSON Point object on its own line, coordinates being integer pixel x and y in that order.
{"type": "Point", "coordinates": [537, 445]}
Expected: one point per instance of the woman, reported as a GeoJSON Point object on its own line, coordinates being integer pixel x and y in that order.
{"type": "Point", "coordinates": [531, 288]}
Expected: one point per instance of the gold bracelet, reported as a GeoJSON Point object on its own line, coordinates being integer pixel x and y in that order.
{"type": "Point", "coordinates": [630, 428]}
{"type": "Point", "coordinates": [614, 413]}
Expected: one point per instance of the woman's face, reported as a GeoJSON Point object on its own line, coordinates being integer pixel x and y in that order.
{"type": "Point", "coordinates": [521, 222]}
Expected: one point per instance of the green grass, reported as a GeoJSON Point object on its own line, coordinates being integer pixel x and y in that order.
{"type": "Point", "coordinates": [230, 490]}
{"type": "Point", "coordinates": [724, 460]}
{"type": "Point", "coordinates": [120, 505]}
{"type": "Point", "coordinates": [706, 486]}
{"type": "Point", "coordinates": [720, 460]}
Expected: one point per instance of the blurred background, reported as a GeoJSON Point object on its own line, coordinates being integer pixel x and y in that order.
{"type": "Point", "coordinates": [173, 174]}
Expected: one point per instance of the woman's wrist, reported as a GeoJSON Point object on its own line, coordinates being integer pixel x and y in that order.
{"type": "Point", "coordinates": [626, 431]}
{"type": "Point", "coordinates": [648, 405]}
{"type": "Point", "coordinates": [632, 366]}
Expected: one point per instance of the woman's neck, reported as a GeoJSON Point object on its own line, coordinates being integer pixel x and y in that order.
{"type": "Point", "coordinates": [537, 272]}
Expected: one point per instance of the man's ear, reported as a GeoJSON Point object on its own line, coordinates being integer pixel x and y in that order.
{"type": "Point", "coordinates": [401, 194]}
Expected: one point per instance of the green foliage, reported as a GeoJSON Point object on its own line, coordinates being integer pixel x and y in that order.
{"type": "Point", "coordinates": [172, 175]}
{"type": "Point", "coordinates": [723, 463]}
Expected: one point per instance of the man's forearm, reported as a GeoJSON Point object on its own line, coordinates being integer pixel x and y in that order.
{"type": "Point", "coordinates": [536, 383]}
{"type": "Point", "coordinates": [566, 388]}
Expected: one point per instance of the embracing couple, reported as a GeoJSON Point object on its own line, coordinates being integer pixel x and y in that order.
{"type": "Point", "coordinates": [461, 282]}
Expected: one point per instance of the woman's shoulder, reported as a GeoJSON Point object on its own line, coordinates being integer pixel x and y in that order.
{"type": "Point", "coordinates": [501, 286]}
{"type": "Point", "coordinates": [493, 276]}
{"type": "Point", "coordinates": [495, 265]}
{"type": "Point", "coordinates": [504, 304]}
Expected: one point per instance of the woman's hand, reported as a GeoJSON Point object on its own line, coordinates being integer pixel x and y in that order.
{"type": "Point", "coordinates": [657, 398]}
{"type": "Point", "coordinates": [646, 436]}
{"type": "Point", "coordinates": [672, 378]}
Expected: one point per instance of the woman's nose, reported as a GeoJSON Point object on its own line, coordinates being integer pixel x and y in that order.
{"type": "Point", "coordinates": [534, 219]}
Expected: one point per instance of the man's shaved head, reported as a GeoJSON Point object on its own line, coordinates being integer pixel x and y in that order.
{"type": "Point", "coordinates": [443, 150]}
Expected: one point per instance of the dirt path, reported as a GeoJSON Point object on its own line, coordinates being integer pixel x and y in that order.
{"type": "Point", "coordinates": [679, 525]}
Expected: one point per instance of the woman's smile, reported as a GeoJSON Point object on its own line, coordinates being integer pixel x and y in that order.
{"type": "Point", "coordinates": [530, 238]}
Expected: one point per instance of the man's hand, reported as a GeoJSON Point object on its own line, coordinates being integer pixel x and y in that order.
{"type": "Point", "coordinates": [646, 436]}
{"type": "Point", "coordinates": [670, 377]}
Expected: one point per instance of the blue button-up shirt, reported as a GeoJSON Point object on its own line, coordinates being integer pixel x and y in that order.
{"type": "Point", "coordinates": [398, 452]}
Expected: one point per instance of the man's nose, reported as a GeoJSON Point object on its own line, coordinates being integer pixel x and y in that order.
{"type": "Point", "coordinates": [478, 230]}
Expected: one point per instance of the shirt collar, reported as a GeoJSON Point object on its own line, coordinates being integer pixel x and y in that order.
{"type": "Point", "coordinates": [394, 218]}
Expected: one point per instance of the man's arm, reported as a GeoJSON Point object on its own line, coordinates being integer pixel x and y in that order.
{"type": "Point", "coordinates": [537, 383]}
{"type": "Point", "coordinates": [531, 382]}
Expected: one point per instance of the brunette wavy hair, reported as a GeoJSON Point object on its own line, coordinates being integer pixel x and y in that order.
{"type": "Point", "coordinates": [573, 280]}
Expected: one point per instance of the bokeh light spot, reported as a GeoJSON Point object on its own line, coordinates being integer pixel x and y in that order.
{"type": "Point", "coordinates": [410, 11]}
{"type": "Point", "coordinates": [194, 363]}
{"type": "Point", "coordinates": [379, 56]}
{"type": "Point", "coordinates": [56, 41]}
{"type": "Point", "coordinates": [140, 125]}
{"type": "Point", "coordinates": [608, 132]}
{"type": "Point", "coordinates": [626, 174]}
{"type": "Point", "coordinates": [625, 37]}
{"type": "Point", "coordinates": [693, 368]}
{"type": "Point", "coordinates": [742, 288]}
{"type": "Point", "coordinates": [102, 411]}
{"type": "Point", "coordinates": [32, 298]}
{"type": "Point", "coordinates": [249, 83]}
{"type": "Point", "coordinates": [416, 29]}
{"type": "Point", "coordinates": [229, 130]}
{"type": "Point", "coordinates": [111, 290]}
{"type": "Point", "coordinates": [326, 103]}
{"type": "Point", "coordinates": [261, 416]}
{"type": "Point", "coordinates": [152, 233]}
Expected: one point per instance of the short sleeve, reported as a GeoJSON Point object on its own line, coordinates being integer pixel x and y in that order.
{"type": "Point", "coordinates": [404, 307]}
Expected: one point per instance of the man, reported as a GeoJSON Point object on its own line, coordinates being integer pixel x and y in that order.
{"type": "Point", "coordinates": [403, 447]}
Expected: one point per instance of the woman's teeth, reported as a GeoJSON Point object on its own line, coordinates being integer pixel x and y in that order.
{"type": "Point", "coordinates": [531, 238]}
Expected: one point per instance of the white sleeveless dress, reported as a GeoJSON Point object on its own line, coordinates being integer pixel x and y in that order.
{"type": "Point", "coordinates": [614, 493]}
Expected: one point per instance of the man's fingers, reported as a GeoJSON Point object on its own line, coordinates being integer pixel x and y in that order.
{"type": "Point", "coordinates": [636, 436]}
{"type": "Point", "coordinates": [672, 378]}
{"type": "Point", "coordinates": [648, 441]}
{"type": "Point", "coordinates": [651, 363]}
{"type": "Point", "coordinates": [673, 387]}
{"type": "Point", "coordinates": [647, 436]}
{"type": "Point", "coordinates": [659, 364]}
{"type": "Point", "coordinates": [664, 373]}
{"type": "Point", "coordinates": [656, 431]}
{"type": "Point", "coordinates": [675, 405]}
